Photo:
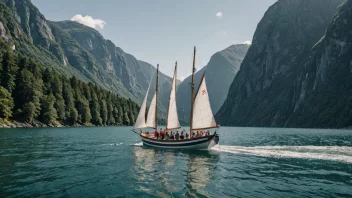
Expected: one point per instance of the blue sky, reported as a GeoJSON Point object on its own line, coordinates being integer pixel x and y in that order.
{"type": "Point", "coordinates": [159, 31]}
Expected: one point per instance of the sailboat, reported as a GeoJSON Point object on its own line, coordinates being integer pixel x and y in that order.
{"type": "Point", "coordinates": [201, 117]}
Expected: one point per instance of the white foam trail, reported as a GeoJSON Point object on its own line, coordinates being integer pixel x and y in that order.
{"type": "Point", "coordinates": [116, 144]}
{"type": "Point", "coordinates": [334, 153]}
{"type": "Point", "coordinates": [138, 144]}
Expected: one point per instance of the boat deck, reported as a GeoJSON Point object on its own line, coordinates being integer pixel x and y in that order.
{"type": "Point", "coordinates": [174, 140]}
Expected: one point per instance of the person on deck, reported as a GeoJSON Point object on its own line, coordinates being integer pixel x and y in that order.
{"type": "Point", "coordinates": [187, 136]}
{"type": "Point", "coordinates": [162, 134]}
{"type": "Point", "coordinates": [194, 135]}
{"type": "Point", "coordinates": [182, 135]}
{"type": "Point", "coordinates": [172, 136]}
{"type": "Point", "coordinates": [177, 136]}
{"type": "Point", "coordinates": [167, 136]}
{"type": "Point", "coordinates": [197, 134]}
{"type": "Point", "coordinates": [156, 134]}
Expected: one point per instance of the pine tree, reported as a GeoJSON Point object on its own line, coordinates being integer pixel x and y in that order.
{"type": "Point", "coordinates": [69, 101]}
{"type": "Point", "coordinates": [6, 103]}
{"type": "Point", "coordinates": [95, 109]}
{"type": "Point", "coordinates": [57, 89]}
{"type": "Point", "coordinates": [110, 108]}
{"type": "Point", "coordinates": [48, 79]}
{"type": "Point", "coordinates": [126, 119]}
{"type": "Point", "coordinates": [131, 117]}
{"type": "Point", "coordinates": [48, 112]}
{"type": "Point", "coordinates": [28, 90]}
{"type": "Point", "coordinates": [9, 70]}
{"type": "Point", "coordinates": [0, 65]}
{"type": "Point", "coordinates": [73, 117]}
{"type": "Point", "coordinates": [84, 111]}
{"type": "Point", "coordinates": [28, 112]}
{"type": "Point", "coordinates": [104, 112]}
{"type": "Point", "coordinates": [119, 117]}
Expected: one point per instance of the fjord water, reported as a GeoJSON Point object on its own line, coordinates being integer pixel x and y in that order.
{"type": "Point", "coordinates": [110, 162]}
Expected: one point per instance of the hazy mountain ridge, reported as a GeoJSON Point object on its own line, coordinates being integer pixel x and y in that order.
{"type": "Point", "coordinates": [219, 73]}
{"type": "Point", "coordinates": [264, 92]}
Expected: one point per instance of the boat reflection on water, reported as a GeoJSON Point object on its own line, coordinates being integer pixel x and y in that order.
{"type": "Point", "coordinates": [173, 173]}
{"type": "Point", "coordinates": [201, 165]}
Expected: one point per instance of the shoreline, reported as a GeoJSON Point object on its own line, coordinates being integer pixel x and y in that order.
{"type": "Point", "coordinates": [16, 124]}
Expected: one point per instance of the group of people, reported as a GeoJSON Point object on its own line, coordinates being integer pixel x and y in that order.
{"type": "Point", "coordinates": [165, 135]}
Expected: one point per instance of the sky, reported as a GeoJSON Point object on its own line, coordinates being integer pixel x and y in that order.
{"type": "Point", "coordinates": [162, 32]}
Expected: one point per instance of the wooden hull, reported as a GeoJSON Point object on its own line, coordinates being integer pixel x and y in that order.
{"type": "Point", "coordinates": [201, 143]}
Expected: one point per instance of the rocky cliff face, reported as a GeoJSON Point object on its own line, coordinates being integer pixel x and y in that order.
{"type": "Point", "coordinates": [323, 88]}
{"type": "Point", "coordinates": [262, 93]}
{"type": "Point", "coordinates": [220, 72]}
{"type": "Point", "coordinates": [75, 49]}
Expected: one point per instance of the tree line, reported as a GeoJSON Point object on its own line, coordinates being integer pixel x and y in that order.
{"type": "Point", "coordinates": [30, 92]}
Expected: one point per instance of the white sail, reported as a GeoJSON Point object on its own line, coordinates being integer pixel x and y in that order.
{"type": "Point", "coordinates": [140, 121]}
{"type": "Point", "coordinates": [203, 117]}
{"type": "Point", "coordinates": [172, 117]}
{"type": "Point", "coordinates": [152, 113]}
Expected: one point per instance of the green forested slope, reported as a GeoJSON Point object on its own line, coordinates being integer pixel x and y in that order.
{"type": "Point", "coordinates": [30, 92]}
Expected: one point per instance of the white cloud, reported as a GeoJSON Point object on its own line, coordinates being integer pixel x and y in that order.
{"type": "Point", "coordinates": [219, 15]}
{"type": "Point", "coordinates": [248, 42]}
{"type": "Point", "coordinates": [89, 21]}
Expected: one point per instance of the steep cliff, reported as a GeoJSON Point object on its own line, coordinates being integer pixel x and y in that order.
{"type": "Point", "coordinates": [323, 89]}
{"type": "Point", "coordinates": [262, 93]}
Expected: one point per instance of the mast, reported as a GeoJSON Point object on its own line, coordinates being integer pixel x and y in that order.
{"type": "Point", "coordinates": [156, 93]}
{"type": "Point", "coordinates": [192, 90]}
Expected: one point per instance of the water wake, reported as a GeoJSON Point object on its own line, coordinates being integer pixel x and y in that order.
{"type": "Point", "coordinates": [334, 153]}
{"type": "Point", "coordinates": [116, 144]}
{"type": "Point", "coordinates": [138, 144]}
{"type": "Point", "coordinates": [112, 144]}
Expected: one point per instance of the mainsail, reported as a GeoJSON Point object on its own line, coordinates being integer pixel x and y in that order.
{"type": "Point", "coordinates": [172, 116]}
{"type": "Point", "coordinates": [152, 113]}
{"type": "Point", "coordinates": [203, 117]}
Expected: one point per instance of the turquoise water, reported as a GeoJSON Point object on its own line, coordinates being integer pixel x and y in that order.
{"type": "Point", "coordinates": [110, 162]}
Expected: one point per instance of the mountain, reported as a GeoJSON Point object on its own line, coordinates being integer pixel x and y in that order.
{"type": "Point", "coordinates": [263, 91]}
{"type": "Point", "coordinates": [219, 73]}
{"type": "Point", "coordinates": [323, 88]}
{"type": "Point", "coordinates": [135, 75]}
{"type": "Point", "coordinates": [76, 50]}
